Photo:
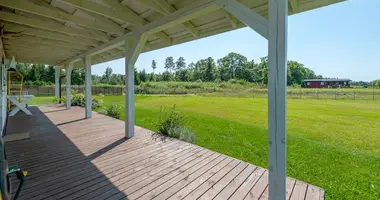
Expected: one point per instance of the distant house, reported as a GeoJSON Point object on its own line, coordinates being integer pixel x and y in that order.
{"type": "Point", "coordinates": [326, 83]}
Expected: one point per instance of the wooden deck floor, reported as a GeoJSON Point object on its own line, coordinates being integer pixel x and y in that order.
{"type": "Point", "coordinates": [69, 157]}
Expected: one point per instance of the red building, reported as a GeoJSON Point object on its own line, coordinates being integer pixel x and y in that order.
{"type": "Point", "coordinates": [326, 83]}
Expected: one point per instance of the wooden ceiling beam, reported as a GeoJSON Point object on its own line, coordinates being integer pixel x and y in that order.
{"type": "Point", "coordinates": [2, 50]}
{"type": "Point", "coordinates": [151, 4]}
{"type": "Point", "coordinates": [294, 5]}
{"type": "Point", "coordinates": [44, 41]}
{"type": "Point", "coordinates": [25, 30]}
{"type": "Point", "coordinates": [165, 8]}
{"type": "Point", "coordinates": [196, 10]}
{"type": "Point", "coordinates": [123, 8]}
{"type": "Point", "coordinates": [233, 21]}
{"type": "Point", "coordinates": [51, 25]}
{"type": "Point", "coordinates": [46, 10]}
{"type": "Point", "coordinates": [113, 13]}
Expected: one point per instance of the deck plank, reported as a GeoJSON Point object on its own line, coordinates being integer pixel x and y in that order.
{"type": "Point", "coordinates": [235, 183]}
{"type": "Point", "coordinates": [299, 191]}
{"type": "Point", "coordinates": [69, 157]}
{"type": "Point", "coordinates": [195, 194]}
{"type": "Point", "coordinates": [222, 183]}
{"type": "Point", "coordinates": [200, 180]}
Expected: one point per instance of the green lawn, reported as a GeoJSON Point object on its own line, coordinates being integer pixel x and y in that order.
{"type": "Point", "coordinates": [334, 144]}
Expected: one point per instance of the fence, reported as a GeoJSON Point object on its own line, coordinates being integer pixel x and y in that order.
{"type": "Point", "coordinates": [337, 94]}
{"type": "Point", "coordinates": [50, 90]}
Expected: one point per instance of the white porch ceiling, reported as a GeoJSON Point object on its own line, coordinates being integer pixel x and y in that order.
{"type": "Point", "coordinates": [55, 31]}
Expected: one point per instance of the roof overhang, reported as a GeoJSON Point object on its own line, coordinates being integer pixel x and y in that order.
{"type": "Point", "coordinates": [58, 32]}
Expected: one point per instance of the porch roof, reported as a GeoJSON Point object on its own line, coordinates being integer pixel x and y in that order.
{"type": "Point", "coordinates": [57, 32]}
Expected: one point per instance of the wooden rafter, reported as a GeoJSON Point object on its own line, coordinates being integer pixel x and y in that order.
{"type": "Point", "coordinates": [233, 21]}
{"type": "Point", "coordinates": [163, 7]}
{"type": "Point", "coordinates": [153, 5]}
{"type": "Point", "coordinates": [113, 13]}
{"type": "Point", "coordinates": [195, 10]}
{"type": "Point", "coordinates": [2, 50]}
{"type": "Point", "coordinates": [122, 8]}
{"type": "Point", "coordinates": [294, 5]}
{"type": "Point", "coordinates": [45, 10]}
{"type": "Point", "coordinates": [44, 41]}
{"type": "Point", "coordinates": [100, 19]}
{"type": "Point", "coordinates": [25, 30]}
{"type": "Point", "coordinates": [51, 25]}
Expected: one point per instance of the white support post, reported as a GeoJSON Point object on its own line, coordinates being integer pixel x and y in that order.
{"type": "Point", "coordinates": [277, 61]}
{"type": "Point", "coordinates": [88, 95]}
{"type": "Point", "coordinates": [57, 77]}
{"type": "Point", "coordinates": [69, 68]}
{"type": "Point", "coordinates": [133, 46]}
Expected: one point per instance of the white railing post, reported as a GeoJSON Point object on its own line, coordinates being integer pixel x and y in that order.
{"type": "Point", "coordinates": [68, 70]}
{"type": "Point", "coordinates": [133, 46]}
{"type": "Point", "coordinates": [88, 93]}
{"type": "Point", "coordinates": [277, 61]}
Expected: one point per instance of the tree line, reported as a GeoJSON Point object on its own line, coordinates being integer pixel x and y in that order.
{"type": "Point", "coordinates": [232, 66]}
{"type": "Point", "coordinates": [42, 75]}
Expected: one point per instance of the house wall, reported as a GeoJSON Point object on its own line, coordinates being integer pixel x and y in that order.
{"type": "Point", "coordinates": [331, 84]}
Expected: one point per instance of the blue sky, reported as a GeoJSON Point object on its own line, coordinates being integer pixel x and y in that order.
{"type": "Point", "coordinates": [341, 40]}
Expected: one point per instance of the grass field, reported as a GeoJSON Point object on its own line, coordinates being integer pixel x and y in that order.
{"type": "Point", "coordinates": [334, 144]}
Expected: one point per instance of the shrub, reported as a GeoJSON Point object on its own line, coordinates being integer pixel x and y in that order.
{"type": "Point", "coordinates": [114, 110]}
{"type": "Point", "coordinates": [182, 134]}
{"type": "Point", "coordinates": [232, 81]}
{"type": "Point", "coordinates": [243, 82]}
{"type": "Point", "coordinates": [171, 123]}
{"type": "Point", "coordinates": [97, 103]}
{"type": "Point", "coordinates": [103, 111]}
{"type": "Point", "coordinates": [77, 99]}
{"type": "Point", "coordinates": [56, 100]}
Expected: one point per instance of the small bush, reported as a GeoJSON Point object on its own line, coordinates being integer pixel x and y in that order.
{"type": "Point", "coordinates": [233, 81]}
{"type": "Point", "coordinates": [103, 111]}
{"type": "Point", "coordinates": [243, 82]}
{"type": "Point", "coordinates": [97, 103]}
{"type": "Point", "coordinates": [56, 100]}
{"type": "Point", "coordinates": [114, 110]}
{"type": "Point", "coordinates": [182, 134]}
{"type": "Point", "coordinates": [171, 123]}
{"type": "Point", "coordinates": [77, 99]}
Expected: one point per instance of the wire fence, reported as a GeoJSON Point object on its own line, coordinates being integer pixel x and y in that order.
{"type": "Point", "coordinates": [336, 94]}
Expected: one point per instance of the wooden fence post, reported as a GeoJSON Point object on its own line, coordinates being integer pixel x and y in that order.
{"type": "Point", "coordinates": [354, 95]}
{"type": "Point", "coordinates": [335, 95]}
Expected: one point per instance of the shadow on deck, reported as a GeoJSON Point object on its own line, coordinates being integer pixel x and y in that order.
{"type": "Point", "coordinates": [69, 157]}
